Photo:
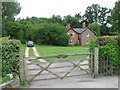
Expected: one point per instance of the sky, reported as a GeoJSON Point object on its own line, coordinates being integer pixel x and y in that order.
{"type": "Point", "coordinates": [46, 8]}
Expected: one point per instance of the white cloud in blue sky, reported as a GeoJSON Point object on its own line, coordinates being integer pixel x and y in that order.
{"type": "Point", "coordinates": [46, 8]}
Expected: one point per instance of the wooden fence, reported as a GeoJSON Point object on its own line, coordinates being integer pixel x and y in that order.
{"type": "Point", "coordinates": [102, 66]}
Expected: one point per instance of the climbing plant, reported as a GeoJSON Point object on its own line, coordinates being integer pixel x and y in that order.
{"type": "Point", "coordinates": [108, 49]}
{"type": "Point", "coordinates": [10, 57]}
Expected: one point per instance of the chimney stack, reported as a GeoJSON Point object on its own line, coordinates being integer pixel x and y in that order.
{"type": "Point", "coordinates": [83, 25]}
{"type": "Point", "coordinates": [68, 25]}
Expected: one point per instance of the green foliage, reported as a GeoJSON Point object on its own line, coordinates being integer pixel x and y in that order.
{"type": "Point", "coordinates": [13, 29]}
{"type": "Point", "coordinates": [95, 27]}
{"type": "Point", "coordinates": [93, 43]}
{"type": "Point", "coordinates": [116, 17]}
{"type": "Point", "coordinates": [60, 50]}
{"type": "Point", "coordinates": [4, 79]}
{"type": "Point", "coordinates": [56, 19]}
{"type": "Point", "coordinates": [40, 33]}
{"type": "Point", "coordinates": [4, 38]}
{"type": "Point", "coordinates": [10, 57]}
{"type": "Point", "coordinates": [24, 83]}
{"type": "Point", "coordinates": [49, 34]}
{"type": "Point", "coordinates": [96, 13]}
{"type": "Point", "coordinates": [108, 49]}
{"type": "Point", "coordinates": [73, 20]}
{"type": "Point", "coordinates": [10, 9]}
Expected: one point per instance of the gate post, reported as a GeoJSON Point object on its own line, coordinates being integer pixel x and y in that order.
{"type": "Point", "coordinates": [22, 68]}
{"type": "Point", "coordinates": [96, 62]}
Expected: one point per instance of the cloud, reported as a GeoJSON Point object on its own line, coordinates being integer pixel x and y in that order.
{"type": "Point", "coordinates": [46, 8]}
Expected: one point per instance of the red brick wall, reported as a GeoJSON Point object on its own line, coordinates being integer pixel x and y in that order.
{"type": "Point", "coordinates": [75, 38]}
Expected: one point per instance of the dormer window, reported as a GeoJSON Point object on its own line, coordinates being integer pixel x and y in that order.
{"type": "Point", "coordinates": [87, 35]}
{"type": "Point", "coordinates": [71, 34]}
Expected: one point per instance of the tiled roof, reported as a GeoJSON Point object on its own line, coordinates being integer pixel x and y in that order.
{"type": "Point", "coordinates": [79, 30]}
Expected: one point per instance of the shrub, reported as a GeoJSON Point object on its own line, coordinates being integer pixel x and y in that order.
{"type": "Point", "coordinates": [10, 57]}
{"type": "Point", "coordinates": [50, 34]}
{"type": "Point", "coordinates": [108, 49]}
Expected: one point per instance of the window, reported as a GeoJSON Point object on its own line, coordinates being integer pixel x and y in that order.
{"type": "Point", "coordinates": [68, 33]}
{"type": "Point", "coordinates": [87, 35]}
{"type": "Point", "coordinates": [87, 42]}
{"type": "Point", "coordinates": [71, 34]}
{"type": "Point", "coordinates": [71, 41]}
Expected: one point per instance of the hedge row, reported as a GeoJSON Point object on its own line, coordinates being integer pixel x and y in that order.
{"type": "Point", "coordinates": [10, 57]}
{"type": "Point", "coordinates": [108, 48]}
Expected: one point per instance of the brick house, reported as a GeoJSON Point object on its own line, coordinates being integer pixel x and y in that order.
{"type": "Point", "coordinates": [81, 36]}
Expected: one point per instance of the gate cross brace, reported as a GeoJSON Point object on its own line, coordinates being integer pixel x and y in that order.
{"type": "Point", "coordinates": [49, 71]}
{"type": "Point", "coordinates": [77, 65]}
{"type": "Point", "coordinates": [39, 72]}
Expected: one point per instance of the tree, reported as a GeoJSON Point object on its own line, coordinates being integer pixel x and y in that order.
{"type": "Point", "coordinates": [116, 18]}
{"type": "Point", "coordinates": [92, 13]}
{"type": "Point", "coordinates": [12, 29]}
{"type": "Point", "coordinates": [56, 19]}
{"type": "Point", "coordinates": [49, 34]}
{"type": "Point", "coordinates": [36, 20]}
{"type": "Point", "coordinates": [95, 27]}
{"type": "Point", "coordinates": [73, 20]}
{"type": "Point", "coordinates": [25, 30]}
{"type": "Point", "coordinates": [95, 13]}
{"type": "Point", "coordinates": [9, 11]}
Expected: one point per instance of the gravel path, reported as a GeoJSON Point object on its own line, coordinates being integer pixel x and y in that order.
{"type": "Point", "coordinates": [27, 54]}
{"type": "Point", "coordinates": [37, 55]}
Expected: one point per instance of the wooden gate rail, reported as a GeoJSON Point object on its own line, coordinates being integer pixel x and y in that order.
{"type": "Point", "coordinates": [58, 56]}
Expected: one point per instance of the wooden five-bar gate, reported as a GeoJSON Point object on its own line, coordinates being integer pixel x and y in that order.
{"type": "Point", "coordinates": [36, 71]}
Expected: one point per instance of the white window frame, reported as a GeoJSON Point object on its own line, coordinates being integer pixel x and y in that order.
{"type": "Point", "coordinates": [72, 34]}
{"type": "Point", "coordinates": [87, 35]}
{"type": "Point", "coordinates": [87, 42]}
{"type": "Point", "coordinates": [72, 41]}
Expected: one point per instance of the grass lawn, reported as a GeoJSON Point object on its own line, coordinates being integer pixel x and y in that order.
{"type": "Point", "coordinates": [47, 50]}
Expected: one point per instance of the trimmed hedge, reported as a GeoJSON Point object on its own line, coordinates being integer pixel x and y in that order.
{"type": "Point", "coordinates": [108, 48]}
{"type": "Point", "coordinates": [10, 57]}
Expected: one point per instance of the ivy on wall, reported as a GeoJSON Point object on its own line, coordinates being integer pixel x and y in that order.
{"type": "Point", "coordinates": [108, 49]}
{"type": "Point", "coordinates": [10, 57]}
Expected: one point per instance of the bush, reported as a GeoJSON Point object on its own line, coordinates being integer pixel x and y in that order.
{"type": "Point", "coordinates": [108, 48]}
{"type": "Point", "coordinates": [50, 34]}
{"type": "Point", "coordinates": [10, 57]}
